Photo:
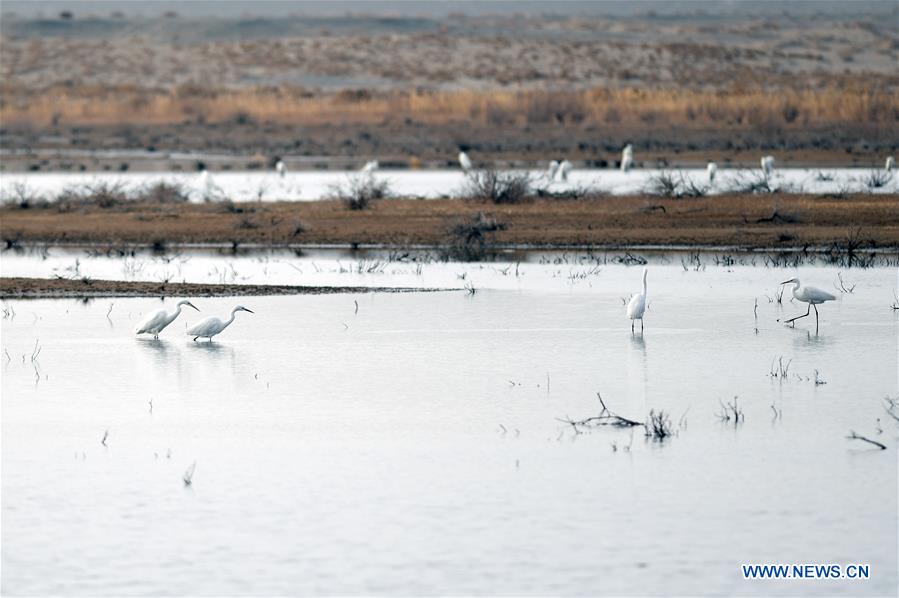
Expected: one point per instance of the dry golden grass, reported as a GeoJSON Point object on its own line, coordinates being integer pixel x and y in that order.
{"type": "Point", "coordinates": [619, 107]}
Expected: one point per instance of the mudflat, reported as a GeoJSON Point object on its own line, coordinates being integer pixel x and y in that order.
{"type": "Point", "coordinates": [739, 221]}
{"type": "Point", "coordinates": [42, 288]}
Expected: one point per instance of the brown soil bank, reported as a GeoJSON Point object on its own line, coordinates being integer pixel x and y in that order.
{"type": "Point", "coordinates": [34, 288]}
{"type": "Point", "coordinates": [744, 221]}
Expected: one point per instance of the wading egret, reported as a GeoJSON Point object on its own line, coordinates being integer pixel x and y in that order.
{"type": "Point", "coordinates": [370, 166]}
{"type": "Point", "coordinates": [281, 169]}
{"type": "Point", "coordinates": [627, 158]}
{"type": "Point", "coordinates": [209, 327]}
{"type": "Point", "coordinates": [563, 170]}
{"type": "Point", "coordinates": [464, 161]}
{"type": "Point", "coordinates": [156, 321]}
{"type": "Point", "coordinates": [811, 295]}
{"type": "Point", "coordinates": [637, 305]}
{"type": "Point", "coordinates": [712, 170]}
{"type": "Point", "coordinates": [767, 163]}
{"type": "Point", "coordinates": [890, 163]}
{"type": "Point", "coordinates": [208, 188]}
{"type": "Point", "coordinates": [552, 170]}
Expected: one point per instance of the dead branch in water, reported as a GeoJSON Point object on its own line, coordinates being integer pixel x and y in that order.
{"type": "Point", "coordinates": [854, 436]}
{"type": "Point", "coordinates": [606, 417]}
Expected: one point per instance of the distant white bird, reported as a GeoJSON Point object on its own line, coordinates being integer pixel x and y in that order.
{"type": "Point", "coordinates": [637, 305]}
{"type": "Point", "coordinates": [209, 327]}
{"type": "Point", "coordinates": [370, 166]}
{"type": "Point", "coordinates": [627, 158]}
{"type": "Point", "coordinates": [281, 169]}
{"type": "Point", "coordinates": [890, 164]}
{"type": "Point", "coordinates": [551, 171]}
{"type": "Point", "coordinates": [464, 161]}
{"type": "Point", "coordinates": [562, 172]}
{"type": "Point", "coordinates": [767, 163]}
{"type": "Point", "coordinates": [811, 295]}
{"type": "Point", "coordinates": [155, 322]}
{"type": "Point", "coordinates": [208, 188]}
{"type": "Point", "coordinates": [712, 170]}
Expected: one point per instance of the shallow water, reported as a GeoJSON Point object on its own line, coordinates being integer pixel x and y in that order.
{"type": "Point", "coordinates": [428, 184]}
{"type": "Point", "coordinates": [413, 447]}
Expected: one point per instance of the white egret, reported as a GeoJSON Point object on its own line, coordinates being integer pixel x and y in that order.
{"type": "Point", "coordinates": [890, 164]}
{"type": "Point", "coordinates": [712, 170]}
{"type": "Point", "coordinates": [209, 327]}
{"type": "Point", "coordinates": [551, 171]}
{"type": "Point", "coordinates": [155, 322]}
{"type": "Point", "coordinates": [370, 166]}
{"type": "Point", "coordinates": [464, 161]}
{"type": "Point", "coordinates": [811, 295]}
{"type": "Point", "coordinates": [207, 187]}
{"type": "Point", "coordinates": [562, 172]}
{"type": "Point", "coordinates": [637, 305]}
{"type": "Point", "coordinates": [627, 158]}
{"type": "Point", "coordinates": [280, 168]}
{"type": "Point", "coordinates": [767, 163]}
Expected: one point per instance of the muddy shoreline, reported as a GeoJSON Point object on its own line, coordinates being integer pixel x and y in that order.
{"type": "Point", "coordinates": [741, 222]}
{"type": "Point", "coordinates": [66, 288]}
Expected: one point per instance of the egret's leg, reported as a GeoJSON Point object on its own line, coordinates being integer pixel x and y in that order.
{"type": "Point", "coordinates": [791, 320]}
{"type": "Point", "coordinates": [816, 316]}
{"type": "Point", "coordinates": [632, 326]}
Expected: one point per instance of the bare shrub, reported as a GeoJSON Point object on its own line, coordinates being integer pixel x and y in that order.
{"type": "Point", "coordinates": [469, 240]}
{"type": "Point", "coordinates": [877, 179]}
{"type": "Point", "coordinates": [751, 182]}
{"type": "Point", "coordinates": [674, 185]}
{"type": "Point", "coordinates": [497, 187]}
{"type": "Point", "coordinates": [163, 193]}
{"type": "Point", "coordinates": [100, 194]}
{"type": "Point", "coordinates": [24, 198]}
{"type": "Point", "coordinates": [359, 191]}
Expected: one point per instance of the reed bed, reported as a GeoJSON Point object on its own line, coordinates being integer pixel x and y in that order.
{"type": "Point", "coordinates": [739, 108]}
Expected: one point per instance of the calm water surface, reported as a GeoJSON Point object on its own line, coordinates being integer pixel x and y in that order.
{"type": "Point", "coordinates": [414, 447]}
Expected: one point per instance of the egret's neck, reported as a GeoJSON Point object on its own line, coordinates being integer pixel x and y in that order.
{"type": "Point", "coordinates": [644, 284]}
{"type": "Point", "coordinates": [174, 314]}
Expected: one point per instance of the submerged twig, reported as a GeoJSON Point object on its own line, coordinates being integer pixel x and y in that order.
{"type": "Point", "coordinates": [189, 474]}
{"type": "Point", "coordinates": [732, 412]}
{"type": "Point", "coordinates": [854, 436]}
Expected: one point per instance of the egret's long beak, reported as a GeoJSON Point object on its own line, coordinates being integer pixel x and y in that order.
{"type": "Point", "coordinates": [249, 310]}
{"type": "Point", "coordinates": [787, 281]}
{"type": "Point", "coordinates": [193, 306]}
